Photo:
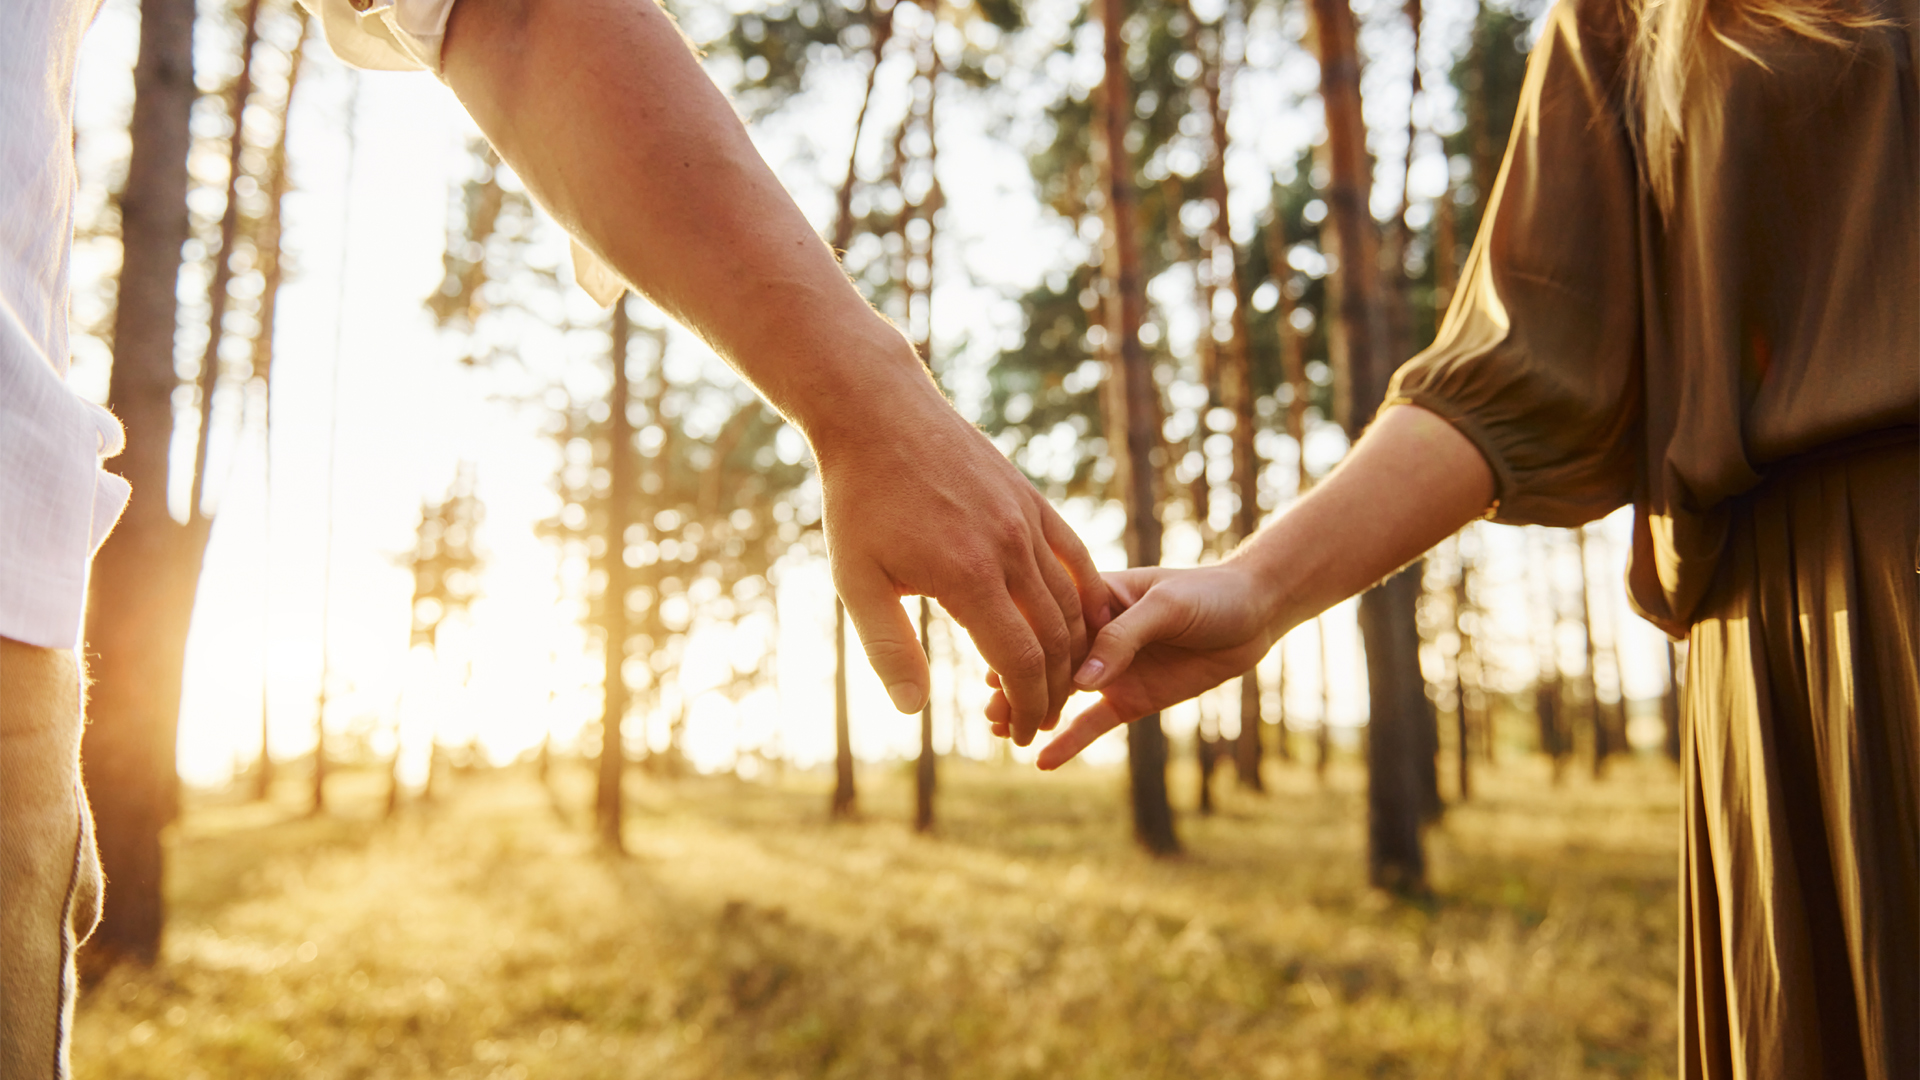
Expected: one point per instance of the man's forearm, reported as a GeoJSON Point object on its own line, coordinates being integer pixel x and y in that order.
{"type": "Point", "coordinates": [1409, 483]}
{"type": "Point", "coordinates": [601, 108]}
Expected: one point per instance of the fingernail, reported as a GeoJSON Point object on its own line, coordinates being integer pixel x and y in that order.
{"type": "Point", "coordinates": [1089, 674]}
{"type": "Point", "coordinates": [906, 696]}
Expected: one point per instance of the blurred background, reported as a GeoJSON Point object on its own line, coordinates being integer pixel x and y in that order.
{"type": "Point", "coordinates": [496, 718]}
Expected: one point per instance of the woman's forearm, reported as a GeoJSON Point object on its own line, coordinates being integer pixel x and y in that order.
{"type": "Point", "coordinates": [1411, 481]}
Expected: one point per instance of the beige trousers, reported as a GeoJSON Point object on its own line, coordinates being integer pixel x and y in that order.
{"type": "Point", "coordinates": [49, 874]}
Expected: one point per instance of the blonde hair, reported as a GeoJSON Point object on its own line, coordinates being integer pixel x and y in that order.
{"type": "Point", "coordinates": [1673, 40]}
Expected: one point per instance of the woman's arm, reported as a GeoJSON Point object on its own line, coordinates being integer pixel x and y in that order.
{"type": "Point", "coordinates": [1410, 482]}
{"type": "Point", "coordinates": [602, 109]}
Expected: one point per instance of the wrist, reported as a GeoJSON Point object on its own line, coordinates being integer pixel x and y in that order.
{"type": "Point", "coordinates": [863, 392]}
{"type": "Point", "coordinates": [1268, 577]}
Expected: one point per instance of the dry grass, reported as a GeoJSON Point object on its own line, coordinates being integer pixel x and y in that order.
{"type": "Point", "coordinates": [746, 937]}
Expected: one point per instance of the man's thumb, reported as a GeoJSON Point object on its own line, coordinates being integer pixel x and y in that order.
{"type": "Point", "coordinates": [888, 636]}
{"type": "Point", "coordinates": [1130, 631]}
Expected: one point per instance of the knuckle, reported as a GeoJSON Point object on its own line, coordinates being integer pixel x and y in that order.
{"type": "Point", "coordinates": [1056, 641]}
{"type": "Point", "coordinates": [1010, 534]}
{"type": "Point", "coordinates": [886, 651]}
{"type": "Point", "coordinates": [1029, 660]}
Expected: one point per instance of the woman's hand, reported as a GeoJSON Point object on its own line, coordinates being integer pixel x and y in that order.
{"type": "Point", "coordinates": [1183, 632]}
{"type": "Point", "coordinates": [1411, 481]}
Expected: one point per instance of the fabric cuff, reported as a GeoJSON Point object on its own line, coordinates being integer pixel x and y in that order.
{"type": "Point", "coordinates": [385, 35]}
{"type": "Point", "coordinates": [1503, 481]}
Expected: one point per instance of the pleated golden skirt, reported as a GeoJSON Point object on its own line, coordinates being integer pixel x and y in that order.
{"type": "Point", "coordinates": [1800, 928]}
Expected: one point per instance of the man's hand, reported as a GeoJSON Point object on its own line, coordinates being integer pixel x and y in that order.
{"type": "Point", "coordinates": [918, 502]}
{"type": "Point", "coordinates": [1183, 633]}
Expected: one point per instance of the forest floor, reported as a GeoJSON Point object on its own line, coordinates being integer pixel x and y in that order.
{"type": "Point", "coordinates": [744, 936]}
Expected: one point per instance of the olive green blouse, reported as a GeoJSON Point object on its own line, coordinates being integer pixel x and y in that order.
{"type": "Point", "coordinates": [1600, 351]}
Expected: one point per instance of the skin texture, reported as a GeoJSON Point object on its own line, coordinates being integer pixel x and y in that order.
{"type": "Point", "coordinates": [602, 110]}
{"type": "Point", "coordinates": [1410, 482]}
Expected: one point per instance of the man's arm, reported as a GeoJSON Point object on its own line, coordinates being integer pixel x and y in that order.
{"type": "Point", "coordinates": [601, 108]}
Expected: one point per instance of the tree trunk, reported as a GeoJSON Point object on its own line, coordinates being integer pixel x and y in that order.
{"type": "Point", "coordinates": [843, 803]}
{"type": "Point", "coordinates": [844, 798]}
{"type": "Point", "coordinates": [272, 273]}
{"type": "Point", "coordinates": [1323, 737]}
{"type": "Point", "coordinates": [1206, 753]}
{"type": "Point", "coordinates": [1135, 412]}
{"type": "Point", "coordinates": [144, 578]}
{"type": "Point", "coordinates": [1547, 713]}
{"type": "Point", "coordinates": [1596, 715]}
{"type": "Point", "coordinates": [607, 806]}
{"type": "Point", "coordinates": [1399, 705]}
{"type": "Point", "coordinates": [1234, 372]}
{"type": "Point", "coordinates": [1549, 696]}
{"type": "Point", "coordinates": [1670, 708]}
{"type": "Point", "coordinates": [1293, 369]}
{"type": "Point", "coordinates": [1396, 860]}
{"type": "Point", "coordinates": [924, 776]}
{"type": "Point", "coordinates": [223, 258]}
{"type": "Point", "coordinates": [1464, 683]}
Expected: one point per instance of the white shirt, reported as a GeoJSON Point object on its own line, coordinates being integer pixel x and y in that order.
{"type": "Point", "coordinates": [56, 501]}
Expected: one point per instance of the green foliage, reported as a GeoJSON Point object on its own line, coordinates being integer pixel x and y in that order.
{"type": "Point", "coordinates": [445, 561]}
{"type": "Point", "coordinates": [717, 504]}
{"type": "Point", "coordinates": [1489, 77]}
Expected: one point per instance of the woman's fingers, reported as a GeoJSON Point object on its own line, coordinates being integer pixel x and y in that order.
{"type": "Point", "coordinates": [1154, 618]}
{"type": "Point", "coordinates": [1080, 733]}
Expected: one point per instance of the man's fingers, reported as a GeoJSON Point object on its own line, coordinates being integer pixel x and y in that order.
{"type": "Point", "coordinates": [887, 635]}
{"type": "Point", "coordinates": [1095, 604]}
{"type": "Point", "coordinates": [1049, 624]}
{"type": "Point", "coordinates": [1096, 721]}
{"type": "Point", "coordinates": [1066, 594]}
{"type": "Point", "coordinates": [1008, 645]}
{"type": "Point", "coordinates": [1150, 620]}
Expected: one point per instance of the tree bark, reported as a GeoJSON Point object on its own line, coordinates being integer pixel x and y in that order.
{"type": "Point", "coordinates": [844, 804]}
{"type": "Point", "coordinates": [844, 800]}
{"type": "Point", "coordinates": [1462, 719]}
{"type": "Point", "coordinates": [1396, 860]}
{"type": "Point", "coordinates": [1135, 413]}
{"type": "Point", "coordinates": [1323, 737]}
{"type": "Point", "coordinates": [143, 580]}
{"type": "Point", "coordinates": [924, 775]}
{"type": "Point", "coordinates": [1670, 708]}
{"type": "Point", "coordinates": [217, 297]}
{"type": "Point", "coordinates": [1597, 715]}
{"type": "Point", "coordinates": [1387, 623]}
{"type": "Point", "coordinates": [273, 274]}
{"type": "Point", "coordinates": [621, 477]}
{"type": "Point", "coordinates": [1548, 696]}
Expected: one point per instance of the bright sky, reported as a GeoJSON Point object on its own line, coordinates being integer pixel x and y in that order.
{"type": "Point", "coordinates": [366, 229]}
